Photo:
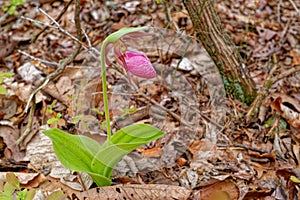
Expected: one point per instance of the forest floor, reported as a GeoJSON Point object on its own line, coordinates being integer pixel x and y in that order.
{"type": "Point", "coordinates": [213, 147]}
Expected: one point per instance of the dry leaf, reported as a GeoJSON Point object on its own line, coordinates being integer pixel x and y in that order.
{"type": "Point", "coordinates": [225, 190]}
{"type": "Point", "coordinates": [10, 135]}
{"type": "Point", "coordinates": [25, 178]}
{"type": "Point", "coordinates": [288, 107]}
{"type": "Point", "coordinates": [29, 72]}
{"type": "Point", "coordinates": [154, 152]}
{"type": "Point", "coordinates": [182, 20]}
{"type": "Point", "coordinates": [296, 58]}
{"type": "Point", "coordinates": [136, 192]}
{"type": "Point", "coordinates": [265, 34]}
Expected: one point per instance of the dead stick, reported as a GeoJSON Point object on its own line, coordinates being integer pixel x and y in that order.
{"type": "Point", "coordinates": [263, 92]}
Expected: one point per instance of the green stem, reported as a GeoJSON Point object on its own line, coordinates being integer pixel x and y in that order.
{"type": "Point", "coordinates": [114, 37]}
{"type": "Point", "coordinates": [104, 88]}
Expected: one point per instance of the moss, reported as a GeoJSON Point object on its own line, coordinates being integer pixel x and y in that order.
{"type": "Point", "coordinates": [233, 87]}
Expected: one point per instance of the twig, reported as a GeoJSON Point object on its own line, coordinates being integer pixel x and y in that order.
{"type": "Point", "coordinates": [77, 22]}
{"type": "Point", "coordinates": [63, 30]}
{"type": "Point", "coordinates": [89, 48]}
{"type": "Point", "coordinates": [88, 39]}
{"type": "Point", "coordinates": [37, 59]}
{"type": "Point", "coordinates": [208, 119]}
{"type": "Point", "coordinates": [53, 75]}
{"type": "Point", "coordinates": [278, 11]}
{"type": "Point", "coordinates": [264, 90]}
{"type": "Point", "coordinates": [38, 22]}
{"type": "Point", "coordinates": [29, 123]}
{"type": "Point", "coordinates": [295, 6]}
{"type": "Point", "coordinates": [286, 74]}
{"type": "Point", "coordinates": [267, 84]}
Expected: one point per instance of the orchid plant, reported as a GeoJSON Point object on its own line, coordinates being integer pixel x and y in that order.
{"type": "Point", "coordinates": [81, 153]}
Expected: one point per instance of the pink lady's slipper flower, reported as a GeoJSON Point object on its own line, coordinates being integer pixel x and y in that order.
{"type": "Point", "coordinates": [135, 63]}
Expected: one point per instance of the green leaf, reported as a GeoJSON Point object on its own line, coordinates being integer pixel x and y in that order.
{"type": "Point", "coordinates": [8, 189]}
{"type": "Point", "coordinates": [13, 180]}
{"type": "Point", "coordinates": [12, 9]}
{"type": "Point", "coordinates": [122, 142]}
{"type": "Point", "coordinates": [57, 195]}
{"type": "Point", "coordinates": [2, 197]}
{"type": "Point", "coordinates": [21, 195]}
{"type": "Point", "coordinates": [5, 8]}
{"type": "Point", "coordinates": [81, 153]}
{"type": "Point", "coordinates": [6, 74]}
{"type": "Point", "coordinates": [100, 180]}
{"type": "Point", "coordinates": [52, 120]}
{"type": "Point", "coordinates": [30, 194]}
{"type": "Point", "coordinates": [2, 90]}
{"type": "Point", "coordinates": [294, 179]}
{"type": "Point", "coordinates": [74, 151]}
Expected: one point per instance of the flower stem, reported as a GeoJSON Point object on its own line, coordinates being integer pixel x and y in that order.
{"type": "Point", "coordinates": [104, 88]}
{"type": "Point", "coordinates": [112, 38]}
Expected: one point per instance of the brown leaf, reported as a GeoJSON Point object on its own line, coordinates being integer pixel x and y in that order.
{"type": "Point", "coordinates": [181, 162]}
{"type": "Point", "coordinates": [182, 20]}
{"type": "Point", "coordinates": [265, 34]}
{"type": "Point", "coordinates": [7, 47]}
{"type": "Point", "coordinates": [10, 136]}
{"type": "Point", "coordinates": [154, 152]}
{"type": "Point", "coordinates": [296, 58]}
{"type": "Point", "coordinates": [288, 107]}
{"type": "Point", "coordinates": [265, 51]}
{"type": "Point", "coordinates": [8, 107]}
{"type": "Point", "coordinates": [225, 190]}
{"type": "Point", "coordinates": [137, 192]}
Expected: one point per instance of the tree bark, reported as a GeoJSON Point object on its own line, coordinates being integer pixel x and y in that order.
{"type": "Point", "coordinates": [221, 48]}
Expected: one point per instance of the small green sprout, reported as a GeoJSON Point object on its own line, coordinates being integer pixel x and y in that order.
{"type": "Point", "coordinates": [294, 179]}
{"type": "Point", "coordinates": [56, 118]}
{"type": "Point", "coordinates": [127, 112]}
{"type": "Point", "coordinates": [56, 121]}
{"type": "Point", "coordinates": [12, 189]}
{"type": "Point", "coordinates": [3, 76]}
{"type": "Point", "coordinates": [11, 7]}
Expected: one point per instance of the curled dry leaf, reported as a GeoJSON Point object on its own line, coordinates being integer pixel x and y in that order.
{"type": "Point", "coordinates": [288, 107]}
{"type": "Point", "coordinates": [182, 20]}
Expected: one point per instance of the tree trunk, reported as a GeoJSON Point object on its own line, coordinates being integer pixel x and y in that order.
{"type": "Point", "coordinates": [222, 50]}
